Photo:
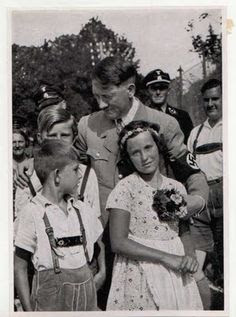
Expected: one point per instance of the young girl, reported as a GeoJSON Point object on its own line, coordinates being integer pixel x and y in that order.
{"type": "Point", "coordinates": [153, 266]}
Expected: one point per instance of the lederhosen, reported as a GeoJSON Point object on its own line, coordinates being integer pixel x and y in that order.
{"type": "Point", "coordinates": [61, 289]}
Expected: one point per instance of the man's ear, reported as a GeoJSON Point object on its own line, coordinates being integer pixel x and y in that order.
{"type": "Point", "coordinates": [131, 89]}
{"type": "Point", "coordinates": [57, 177]}
{"type": "Point", "coordinates": [39, 138]}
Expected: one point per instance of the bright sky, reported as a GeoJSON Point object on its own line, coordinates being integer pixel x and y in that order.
{"type": "Point", "coordinates": [158, 35]}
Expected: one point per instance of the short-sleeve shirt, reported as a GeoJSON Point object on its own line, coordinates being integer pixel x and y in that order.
{"type": "Point", "coordinates": [31, 235]}
{"type": "Point", "coordinates": [134, 195]}
{"type": "Point", "coordinates": [212, 163]}
{"type": "Point", "coordinates": [91, 193]}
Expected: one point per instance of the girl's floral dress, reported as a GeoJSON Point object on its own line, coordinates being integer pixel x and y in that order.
{"type": "Point", "coordinates": [141, 285]}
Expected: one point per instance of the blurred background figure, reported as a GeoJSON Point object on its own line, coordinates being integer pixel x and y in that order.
{"type": "Point", "coordinates": [19, 144]}
{"type": "Point", "coordinates": [47, 95]}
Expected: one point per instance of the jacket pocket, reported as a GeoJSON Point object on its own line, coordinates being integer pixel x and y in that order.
{"type": "Point", "coordinates": [100, 163]}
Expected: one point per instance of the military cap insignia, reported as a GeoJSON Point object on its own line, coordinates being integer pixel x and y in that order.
{"type": "Point", "coordinates": [159, 77]}
{"type": "Point", "coordinates": [156, 76]}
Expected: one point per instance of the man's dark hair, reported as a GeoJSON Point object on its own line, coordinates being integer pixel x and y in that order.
{"type": "Point", "coordinates": [113, 70]}
{"type": "Point", "coordinates": [211, 83]}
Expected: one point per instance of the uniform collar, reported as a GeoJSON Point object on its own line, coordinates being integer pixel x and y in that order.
{"type": "Point", "coordinates": [170, 110]}
{"type": "Point", "coordinates": [131, 113]}
{"type": "Point", "coordinates": [110, 135]}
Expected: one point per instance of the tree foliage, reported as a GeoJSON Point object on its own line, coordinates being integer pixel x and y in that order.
{"type": "Point", "coordinates": [209, 47]}
{"type": "Point", "coordinates": [67, 62]}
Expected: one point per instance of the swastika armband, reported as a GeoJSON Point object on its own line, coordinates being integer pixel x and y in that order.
{"type": "Point", "coordinates": [184, 166]}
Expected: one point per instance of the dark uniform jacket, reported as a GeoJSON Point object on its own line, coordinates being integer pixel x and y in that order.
{"type": "Point", "coordinates": [183, 119]}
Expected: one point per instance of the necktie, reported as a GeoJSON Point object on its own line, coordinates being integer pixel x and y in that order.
{"type": "Point", "coordinates": [119, 125]}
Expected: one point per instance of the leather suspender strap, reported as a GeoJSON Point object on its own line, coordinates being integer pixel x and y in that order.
{"type": "Point", "coordinates": [52, 241]}
{"type": "Point", "coordinates": [31, 187]}
{"type": "Point", "coordinates": [83, 234]}
{"type": "Point", "coordinates": [84, 182]}
{"type": "Point", "coordinates": [196, 139]}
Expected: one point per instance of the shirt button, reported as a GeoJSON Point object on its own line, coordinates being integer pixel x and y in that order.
{"type": "Point", "coordinates": [97, 154]}
{"type": "Point", "coordinates": [120, 176]}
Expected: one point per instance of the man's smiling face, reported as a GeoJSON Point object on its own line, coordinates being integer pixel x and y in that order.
{"type": "Point", "coordinates": [212, 102]}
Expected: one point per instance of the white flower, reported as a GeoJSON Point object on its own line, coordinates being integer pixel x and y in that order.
{"type": "Point", "coordinates": [176, 198]}
{"type": "Point", "coordinates": [182, 212]}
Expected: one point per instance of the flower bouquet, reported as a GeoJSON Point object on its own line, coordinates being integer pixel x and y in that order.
{"type": "Point", "coordinates": [169, 204]}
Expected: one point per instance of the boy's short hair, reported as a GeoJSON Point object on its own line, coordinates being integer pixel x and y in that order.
{"type": "Point", "coordinates": [52, 155]}
{"type": "Point", "coordinates": [211, 83]}
{"type": "Point", "coordinates": [113, 70]}
{"type": "Point", "coordinates": [52, 115]}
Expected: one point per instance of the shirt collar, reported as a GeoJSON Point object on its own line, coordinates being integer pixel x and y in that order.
{"type": "Point", "coordinates": [42, 200]}
{"type": "Point", "coordinates": [45, 203]}
{"type": "Point", "coordinates": [131, 113]}
{"type": "Point", "coordinates": [206, 124]}
{"type": "Point", "coordinates": [164, 107]}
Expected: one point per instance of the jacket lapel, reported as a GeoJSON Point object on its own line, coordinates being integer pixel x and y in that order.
{"type": "Point", "coordinates": [109, 134]}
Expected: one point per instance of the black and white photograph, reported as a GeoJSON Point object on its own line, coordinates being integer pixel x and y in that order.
{"type": "Point", "coordinates": [118, 160]}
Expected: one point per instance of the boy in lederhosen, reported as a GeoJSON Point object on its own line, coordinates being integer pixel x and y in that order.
{"type": "Point", "coordinates": [58, 234]}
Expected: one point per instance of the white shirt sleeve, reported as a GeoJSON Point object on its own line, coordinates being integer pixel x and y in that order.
{"type": "Point", "coordinates": [190, 141]}
{"type": "Point", "coordinates": [25, 237]}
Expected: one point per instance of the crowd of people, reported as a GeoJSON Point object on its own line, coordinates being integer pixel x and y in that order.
{"type": "Point", "coordinates": [122, 210]}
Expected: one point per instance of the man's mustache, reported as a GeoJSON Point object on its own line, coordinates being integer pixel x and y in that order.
{"type": "Point", "coordinates": [210, 107]}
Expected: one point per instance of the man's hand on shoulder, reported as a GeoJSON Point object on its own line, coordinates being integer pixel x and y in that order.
{"type": "Point", "coordinates": [22, 171]}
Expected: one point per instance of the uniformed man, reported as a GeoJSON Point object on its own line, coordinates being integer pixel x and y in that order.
{"type": "Point", "coordinates": [157, 84]}
{"type": "Point", "coordinates": [113, 84]}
